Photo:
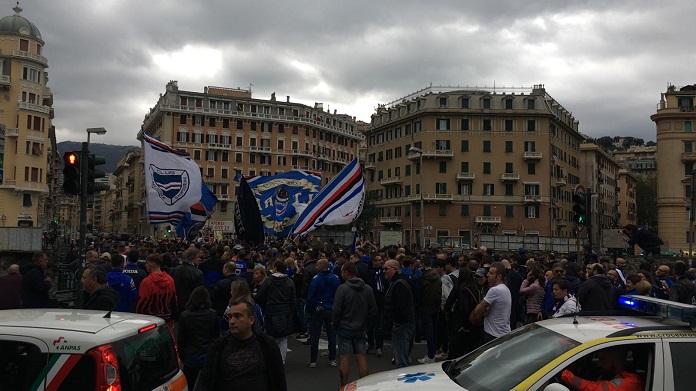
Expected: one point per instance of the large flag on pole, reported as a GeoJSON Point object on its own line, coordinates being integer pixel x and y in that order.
{"type": "Point", "coordinates": [340, 202]}
{"type": "Point", "coordinates": [194, 220]}
{"type": "Point", "coordinates": [247, 217]}
{"type": "Point", "coordinates": [172, 180]}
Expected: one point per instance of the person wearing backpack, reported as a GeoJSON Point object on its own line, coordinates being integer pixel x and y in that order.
{"type": "Point", "coordinates": [464, 336]}
{"type": "Point", "coordinates": [683, 290]}
{"type": "Point", "coordinates": [276, 297]}
{"type": "Point", "coordinates": [430, 286]}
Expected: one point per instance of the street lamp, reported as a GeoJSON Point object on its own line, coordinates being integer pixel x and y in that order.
{"type": "Point", "coordinates": [84, 187]}
{"type": "Point", "coordinates": [422, 210]}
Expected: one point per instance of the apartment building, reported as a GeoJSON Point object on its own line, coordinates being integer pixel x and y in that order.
{"type": "Point", "coordinates": [626, 197]}
{"type": "Point", "coordinates": [676, 155]}
{"type": "Point", "coordinates": [639, 159]}
{"type": "Point", "coordinates": [479, 161]}
{"type": "Point", "coordinates": [123, 206]}
{"type": "Point", "coordinates": [227, 132]}
{"type": "Point", "coordinates": [28, 158]}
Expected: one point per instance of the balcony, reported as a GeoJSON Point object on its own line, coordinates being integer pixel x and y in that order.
{"type": "Point", "coordinates": [4, 80]}
{"type": "Point", "coordinates": [509, 177]}
{"type": "Point", "coordinates": [12, 132]}
{"type": "Point", "coordinates": [300, 152]}
{"type": "Point", "coordinates": [561, 223]}
{"type": "Point", "coordinates": [264, 149]}
{"type": "Point", "coordinates": [439, 153]}
{"type": "Point", "coordinates": [30, 56]}
{"type": "Point", "coordinates": [532, 156]}
{"type": "Point", "coordinates": [390, 220]}
{"type": "Point", "coordinates": [223, 197]}
{"type": "Point", "coordinates": [369, 165]}
{"type": "Point", "coordinates": [225, 147]}
{"type": "Point", "coordinates": [560, 182]}
{"type": "Point", "coordinates": [47, 97]}
{"type": "Point", "coordinates": [688, 157]}
{"type": "Point", "coordinates": [532, 199]}
{"type": "Point", "coordinates": [396, 180]}
{"type": "Point", "coordinates": [34, 107]}
{"type": "Point", "coordinates": [480, 220]}
{"type": "Point", "coordinates": [431, 198]}
{"type": "Point", "coordinates": [465, 176]}
{"type": "Point", "coordinates": [323, 157]}
{"type": "Point", "coordinates": [303, 168]}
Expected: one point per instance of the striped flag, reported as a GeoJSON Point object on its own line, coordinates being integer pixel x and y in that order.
{"type": "Point", "coordinates": [194, 220]}
{"type": "Point", "coordinates": [172, 181]}
{"type": "Point", "coordinates": [340, 202]}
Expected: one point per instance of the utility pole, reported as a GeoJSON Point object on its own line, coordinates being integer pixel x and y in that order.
{"type": "Point", "coordinates": [84, 155]}
{"type": "Point", "coordinates": [691, 215]}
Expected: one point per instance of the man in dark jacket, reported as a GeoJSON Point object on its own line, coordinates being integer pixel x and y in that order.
{"type": "Point", "coordinates": [242, 358]}
{"type": "Point", "coordinates": [220, 295]}
{"type": "Point", "coordinates": [277, 299]}
{"type": "Point", "coordinates": [646, 239]}
{"type": "Point", "coordinates": [354, 304]}
{"type": "Point", "coordinates": [683, 290]}
{"type": "Point", "coordinates": [187, 276]}
{"type": "Point", "coordinates": [430, 287]}
{"type": "Point", "coordinates": [596, 294]}
{"type": "Point", "coordinates": [35, 284]}
{"type": "Point", "coordinates": [133, 270]}
{"type": "Point", "coordinates": [320, 297]}
{"type": "Point", "coordinates": [101, 296]}
{"type": "Point", "coordinates": [399, 313]}
{"type": "Point", "coordinates": [11, 289]}
{"type": "Point", "coordinates": [123, 284]}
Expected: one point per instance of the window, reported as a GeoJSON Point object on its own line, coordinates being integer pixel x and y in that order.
{"type": "Point", "coordinates": [182, 119]}
{"type": "Point", "coordinates": [24, 45]}
{"type": "Point", "coordinates": [182, 136]}
{"type": "Point", "coordinates": [487, 124]}
{"type": "Point", "coordinates": [408, 170]}
{"type": "Point", "coordinates": [210, 156]}
{"type": "Point", "coordinates": [488, 189]}
{"type": "Point", "coordinates": [508, 103]}
{"type": "Point", "coordinates": [486, 210]}
{"type": "Point", "coordinates": [531, 168]}
{"type": "Point", "coordinates": [198, 120]}
{"type": "Point", "coordinates": [210, 172]}
{"type": "Point", "coordinates": [198, 138]}
{"type": "Point", "coordinates": [26, 200]}
{"type": "Point", "coordinates": [530, 146]}
{"type": "Point", "coordinates": [508, 210]}
{"type": "Point", "coordinates": [508, 146]}
{"type": "Point", "coordinates": [225, 123]}
{"type": "Point", "coordinates": [416, 127]}
{"type": "Point", "coordinates": [238, 158]}
{"type": "Point", "coordinates": [253, 125]}
{"type": "Point", "coordinates": [441, 188]}
{"type": "Point", "coordinates": [687, 126]}
{"type": "Point", "coordinates": [688, 146]}
{"type": "Point", "coordinates": [211, 121]}
{"type": "Point", "coordinates": [31, 74]}
{"type": "Point", "coordinates": [508, 189]}
{"type": "Point", "coordinates": [487, 103]}
{"type": "Point", "coordinates": [531, 125]}
{"type": "Point", "coordinates": [508, 125]}
{"type": "Point", "coordinates": [464, 212]}
{"type": "Point", "coordinates": [530, 104]}
{"type": "Point", "coordinates": [464, 189]}
{"type": "Point", "coordinates": [465, 124]}
{"type": "Point", "coordinates": [531, 189]}
{"type": "Point", "coordinates": [407, 190]}
{"type": "Point", "coordinates": [442, 145]}
{"type": "Point", "coordinates": [443, 167]}
{"type": "Point", "coordinates": [442, 124]}
{"type": "Point", "coordinates": [508, 168]}
{"type": "Point", "coordinates": [224, 172]}
{"type": "Point", "coordinates": [532, 212]}
{"type": "Point", "coordinates": [486, 146]}
{"type": "Point", "coordinates": [225, 156]}
{"type": "Point", "coordinates": [465, 145]}
{"type": "Point", "coordinates": [464, 166]}
{"type": "Point", "coordinates": [486, 167]}
{"type": "Point", "coordinates": [442, 210]}
{"type": "Point", "coordinates": [443, 102]}
{"type": "Point", "coordinates": [240, 124]}
{"type": "Point", "coordinates": [683, 366]}
{"type": "Point", "coordinates": [688, 168]}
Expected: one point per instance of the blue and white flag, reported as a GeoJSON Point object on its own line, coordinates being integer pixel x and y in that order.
{"type": "Point", "coordinates": [194, 220]}
{"type": "Point", "coordinates": [340, 202]}
{"type": "Point", "coordinates": [172, 180]}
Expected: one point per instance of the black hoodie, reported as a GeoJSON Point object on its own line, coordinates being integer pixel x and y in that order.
{"type": "Point", "coordinates": [277, 298]}
{"type": "Point", "coordinates": [596, 294]}
{"type": "Point", "coordinates": [104, 299]}
{"type": "Point", "coordinates": [34, 287]}
{"type": "Point", "coordinates": [354, 304]}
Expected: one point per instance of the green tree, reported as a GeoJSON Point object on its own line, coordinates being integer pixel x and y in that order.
{"type": "Point", "coordinates": [369, 212]}
{"type": "Point", "coordinates": [646, 196]}
{"type": "Point", "coordinates": [606, 143]}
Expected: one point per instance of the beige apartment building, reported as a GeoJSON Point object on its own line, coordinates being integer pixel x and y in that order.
{"type": "Point", "coordinates": [494, 161]}
{"type": "Point", "coordinates": [627, 205]}
{"type": "Point", "coordinates": [28, 158]}
{"type": "Point", "coordinates": [123, 206]}
{"type": "Point", "coordinates": [228, 132]}
{"type": "Point", "coordinates": [674, 120]}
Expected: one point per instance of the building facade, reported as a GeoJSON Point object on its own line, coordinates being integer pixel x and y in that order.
{"type": "Point", "coordinates": [627, 205]}
{"type": "Point", "coordinates": [228, 132]}
{"type": "Point", "coordinates": [124, 206]}
{"type": "Point", "coordinates": [640, 160]}
{"type": "Point", "coordinates": [28, 154]}
{"type": "Point", "coordinates": [492, 163]}
{"type": "Point", "coordinates": [676, 158]}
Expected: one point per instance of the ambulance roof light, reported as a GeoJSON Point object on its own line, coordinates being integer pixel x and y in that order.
{"type": "Point", "coordinates": [658, 307]}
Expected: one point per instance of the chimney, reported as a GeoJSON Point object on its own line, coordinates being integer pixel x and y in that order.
{"type": "Point", "coordinates": [288, 98]}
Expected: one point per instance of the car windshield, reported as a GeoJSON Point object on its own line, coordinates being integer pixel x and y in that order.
{"type": "Point", "coordinates": [508, 360]}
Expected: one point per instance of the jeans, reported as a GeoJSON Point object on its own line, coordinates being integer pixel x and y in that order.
{"type": "Point", "coordinates": [315, 322]}
{"type": "Point", "coordinates": [402, 338]}
{"type": "Point", "coordinates": [375, 333]}
{"type": "Point", "coordinates": [302, 318]}
{"type": "Point", "coordinates": [429, 318]}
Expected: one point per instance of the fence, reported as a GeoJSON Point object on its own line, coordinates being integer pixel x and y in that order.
{"type": "Point", "coordinates": [530, 243]}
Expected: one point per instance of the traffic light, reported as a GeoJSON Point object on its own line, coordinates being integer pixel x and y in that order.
{"type": "Point", "coordinates": [93, 173]}
{"type": "Point", "coordinates": [71, 173]}
{"type": "Point", "coordinates": [581, 209]}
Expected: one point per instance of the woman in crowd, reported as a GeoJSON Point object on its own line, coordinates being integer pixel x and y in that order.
{"type": "Point", "coordinates": [258, 279]}
{"type": "Point", "coordinates": [239, 291]}
{"type": "Point", "coordinates": [533, 290]}
{"type": "Point", "coordinates": [198, 328]}
{"type": "Point", "coordinates": [464, 337]}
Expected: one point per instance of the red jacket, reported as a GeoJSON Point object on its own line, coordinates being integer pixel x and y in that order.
{"type": "Point", "coordinates": [158, 297]}
{"type": "Point", "coordinates": [624, 381]}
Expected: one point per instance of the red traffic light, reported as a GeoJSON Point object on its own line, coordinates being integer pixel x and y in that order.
{"type": "Point", "coordinates": [71, 158]}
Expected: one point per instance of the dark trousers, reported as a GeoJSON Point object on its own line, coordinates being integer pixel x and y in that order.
{"type": "Point", "coordinates": [429, 318]}
{"type": "Point", "coordinates": [375, 333]}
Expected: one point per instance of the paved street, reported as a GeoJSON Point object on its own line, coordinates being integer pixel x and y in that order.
{"type": "Point", "coordinates": [324, 377]}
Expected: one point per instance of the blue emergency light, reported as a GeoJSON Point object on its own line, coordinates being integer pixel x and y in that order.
{"type": "Point", "coordinates": [658, 307]}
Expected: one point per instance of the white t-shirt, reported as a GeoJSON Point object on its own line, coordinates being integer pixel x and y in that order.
{"type": "Point", "coordinates": [497, 322]}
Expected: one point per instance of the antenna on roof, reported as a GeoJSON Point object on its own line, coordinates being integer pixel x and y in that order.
{"type": "Point", "coordinates": [107, 316]}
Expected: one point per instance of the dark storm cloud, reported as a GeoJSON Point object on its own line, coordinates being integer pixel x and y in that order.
{"type": "Point", "coordinates": [605, 61]}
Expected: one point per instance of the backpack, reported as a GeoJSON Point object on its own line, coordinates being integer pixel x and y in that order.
{"type": "Point", "coordinates": [688, 294]}
{"type": "Point", "coordinates": [474, 319]}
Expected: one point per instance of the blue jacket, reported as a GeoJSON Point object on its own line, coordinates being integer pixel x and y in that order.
{"type": "Point", "coordinates": [322, 290]}
{"type": "Point", "coordinates": [125, 286]}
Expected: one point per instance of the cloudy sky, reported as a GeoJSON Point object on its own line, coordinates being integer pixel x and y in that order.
{"type": "Point", "coordinates": [605, 61]}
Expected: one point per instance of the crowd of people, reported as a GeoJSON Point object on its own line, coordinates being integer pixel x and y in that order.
{"type": "Point", "coordinates": [233, 307]}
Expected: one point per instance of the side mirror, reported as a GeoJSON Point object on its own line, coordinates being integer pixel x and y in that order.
{"type": "Point", "coordinates": [556, 387]}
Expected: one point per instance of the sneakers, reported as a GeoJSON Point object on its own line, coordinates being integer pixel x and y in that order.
{"type": "Point", "coordinates": [325, 353]}
{"type": "Point", "coordinates": [312, 365]}
{"type": "Point", "coordinates": [379, 352]}
{"type": "Point", "coordinates": [333, 363]}
{"type": "Point", "coordinates": [307, 342]}
{"type": "Point", "coordinates": [302, 336]}
{"type": "Point", "coordinates": [441, 356]}
{"type": "Point", "coordinates": [426, 360]}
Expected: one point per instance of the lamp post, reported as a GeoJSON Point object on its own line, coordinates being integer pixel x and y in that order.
{"type": "Point", "coordinates": [422, 210]}
{"type": "Point", "coordinates": [83, 186]}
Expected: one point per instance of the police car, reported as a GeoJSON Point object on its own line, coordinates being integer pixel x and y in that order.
{"type": "Point", "coordinates": [660, 347]}
{"type": "Point", "coordinates": [53, 349]}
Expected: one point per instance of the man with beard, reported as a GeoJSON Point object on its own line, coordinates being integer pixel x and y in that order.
{"type": "Point", "coordinates": [597, 292]}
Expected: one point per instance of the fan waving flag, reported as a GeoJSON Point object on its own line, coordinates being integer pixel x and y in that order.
{"type": "Point", "coordinates": [247, 217]}
{"type": "Point", "coordinates": [340, 202]}
{"type": "Point", "coordinates": [173, 182]}
{"type": "Point", "coordinates": [194, 220]}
